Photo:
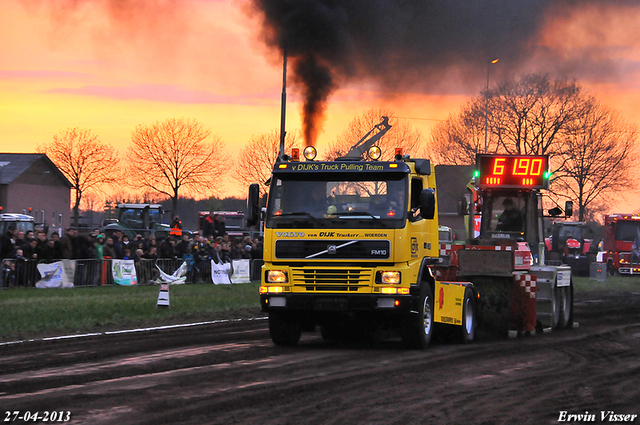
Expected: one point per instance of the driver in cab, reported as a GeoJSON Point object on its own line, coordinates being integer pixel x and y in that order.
{"type": "Point", "coordinates": [511, 218]}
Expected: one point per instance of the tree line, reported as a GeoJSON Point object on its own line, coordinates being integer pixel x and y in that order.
{"type": "Point", "coordinates": [591, 147]}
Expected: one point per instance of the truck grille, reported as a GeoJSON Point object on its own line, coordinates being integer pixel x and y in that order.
{"type": "Point", "coordinates": [331, 279]}
{"type": "Point", "coordinates": [333, 249]}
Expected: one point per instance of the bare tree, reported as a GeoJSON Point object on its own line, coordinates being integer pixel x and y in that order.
{"type": "Point", "coordinates": [177, 154]}
{"type": "Point", "coordinates": [530, 115]}
{"type": "Point", "coordinates": [598, 156]}
{"type": "Point", "coordinates": [401, 135]}
{"type": "Point", "coordinates": [85, 161]}
{"type": "Point", "coordinates": [258, 156]}
{"type": "Point", "coordinates": [457, 140]}
{"type": "Point", "coordinates": [526, 116]}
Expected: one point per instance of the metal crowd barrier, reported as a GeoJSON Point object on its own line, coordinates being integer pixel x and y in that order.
{"type": "Point", "coordinates": [94, 272]}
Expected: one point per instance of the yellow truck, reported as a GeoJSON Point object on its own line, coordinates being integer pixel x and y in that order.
{"type": "Point", "coordinates": [355, 242]}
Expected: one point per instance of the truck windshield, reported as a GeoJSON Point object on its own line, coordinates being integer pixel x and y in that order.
{"type": "Point", "coordinates": [360, 202]}
{"type": "Point", "coordinates": [505, 214]}
{"type": "Point", "coordinates": [22, 226]}
{"type": "Point", "coordinates": [132, 217]}
{"type": "Point", "coordinates": [567, 232]}
{"type": "Point", "coordinates": [155, 216]}
{"type": "Point", "coordinates": [234, 222]}
{"type": "Point", "coordinates": [628, 231]}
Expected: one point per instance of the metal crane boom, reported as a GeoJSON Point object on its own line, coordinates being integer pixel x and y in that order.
{"type": "Point", "coordinates": [356, 151]}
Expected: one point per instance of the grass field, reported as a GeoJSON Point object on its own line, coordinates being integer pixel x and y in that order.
{"type": "Point", "coordinates": [31, 313]}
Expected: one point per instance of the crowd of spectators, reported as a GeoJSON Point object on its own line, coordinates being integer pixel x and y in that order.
{"type": "Point", "coordinates": [17, 247]}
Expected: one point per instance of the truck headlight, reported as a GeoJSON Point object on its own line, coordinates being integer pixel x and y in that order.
{"type": "Point", "coordinates": [277, 276]}
{"type": "Point", "coordinates": [388, 277]}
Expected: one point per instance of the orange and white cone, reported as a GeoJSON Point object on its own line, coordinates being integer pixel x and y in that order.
{"type": "Point", "coordinates": [163, 295]}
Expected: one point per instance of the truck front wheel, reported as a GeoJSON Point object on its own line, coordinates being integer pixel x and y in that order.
{"type": "Point", "coordinates": [417, 326]}
{"type": "Point", "coordinates": [284, 328]}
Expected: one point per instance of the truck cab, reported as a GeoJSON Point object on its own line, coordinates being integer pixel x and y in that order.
{"type": "Point", "coordinates": [621, 243]}
{"type": "Point", "coordinates": [353, 242]}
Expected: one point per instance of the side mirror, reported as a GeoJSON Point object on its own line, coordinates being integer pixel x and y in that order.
{"type": "Point", "coordinates": [463, 206]}
{"type": "Point", "coordinates": [554, 212]}
{"type": "Point", "coordinates": [428, 203]}
{"type": "Point", "coordinates": [568, 209]}
{"type": "Point", "coordinates": [253, 209]}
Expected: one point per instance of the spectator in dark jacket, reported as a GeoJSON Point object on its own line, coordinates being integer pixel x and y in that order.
{"type": "Point", "coordinates": [167, 248]}
{"type": "Point", "coordinates": [20, 240]}
{"type": "Point", "coordinates": [41, 245]}
{"type": "Point", "coordinates": [208, 226]}
{"type": "Point", "coordinates": [237, 251]}
{"type": "Point", "coordinates": [29, 249]}
{"type": "Point", "coordinates": [69, 244]}
{"type": "Point", "coordinates": [47, 255]}
{"type": "Point", "coordinates": [182, 247]}
{"type": "Point", "coordinates": [117, 244]}
{"type": "Point", "coordinates": [219, 223]}
{"type": "Point", "coordinates": [57, 246]}
{"type": "Point", "coordinates": [8, 242]}
{"type": "Point", "coordinates": [107, 249]}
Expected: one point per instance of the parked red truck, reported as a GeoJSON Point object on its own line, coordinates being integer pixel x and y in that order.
{"type": "Point", "coordinates": [620, 244]}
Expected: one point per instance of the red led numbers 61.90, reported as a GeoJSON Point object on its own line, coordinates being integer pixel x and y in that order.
{"type": "Point", "coordinates": [516, 171]}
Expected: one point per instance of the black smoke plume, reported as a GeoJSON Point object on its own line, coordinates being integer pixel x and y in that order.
{"type": "Point", "coordinates": [435, 46]}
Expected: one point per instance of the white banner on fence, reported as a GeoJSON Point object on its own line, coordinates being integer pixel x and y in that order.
{"type": "Point", "coordinates": [57, 275]}
{"type": "Point", "coordinates": [220, 273]}
{"type": "Point", "coordinates": [177, 278]}
{"type": "Point", "coordinates": [124, 272]}
{"type": "Point", "coordinates": [241, 271]}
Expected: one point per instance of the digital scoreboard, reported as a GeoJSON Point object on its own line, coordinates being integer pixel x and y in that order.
{"type": "Point", "coordinates": [512, 171]}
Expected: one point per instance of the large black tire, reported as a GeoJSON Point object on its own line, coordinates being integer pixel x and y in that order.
{"type": "Point", "coordinates": [284, 328]}
{"type": "Point", "coordinates": [468, 328]}
{"type": "Point", "coordinates": [417, 328]}
{"type": "Point", "coordinates": [493, 307]}
{"type": "Point", "coordinates": [565, 321]}
{"type": "Point", "coordinates": [556, 302]}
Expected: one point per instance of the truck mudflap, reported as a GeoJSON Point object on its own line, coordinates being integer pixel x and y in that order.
{"type": "Point", "coordinates": [506, 303]}
{"type": "Point", "coordinates": [522, 317]}
{"type": "Point", "coordinates": [448, 302]}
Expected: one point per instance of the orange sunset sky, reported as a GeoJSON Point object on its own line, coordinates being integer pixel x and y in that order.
{"type": "Point", "coordinates": [109, 65]}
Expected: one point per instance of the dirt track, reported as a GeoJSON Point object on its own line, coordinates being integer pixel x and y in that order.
{"type": "Point", "coordinates": [232, 373]}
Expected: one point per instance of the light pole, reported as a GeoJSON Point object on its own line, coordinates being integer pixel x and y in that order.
{"type": "Point", "coordinates": [486, 112]}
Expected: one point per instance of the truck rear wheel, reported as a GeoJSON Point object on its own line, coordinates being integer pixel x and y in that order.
{"type": "Point", "coordinates": [284, 328]}
{"type": "Point", "coordinates": [565, 320]}
{"type": "Point", "coordinates": [556, 302]}
{"type": "Point", "coordinates": [417, 327]}
{"type": "Point", "coordinates": [468, 328]}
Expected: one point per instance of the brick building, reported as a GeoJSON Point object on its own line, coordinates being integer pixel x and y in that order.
{"type": "Point", "coordinates": [32, 184]}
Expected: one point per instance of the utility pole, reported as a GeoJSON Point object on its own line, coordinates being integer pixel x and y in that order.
{"type": "Point", "coordinates": [283, 104]}
{"type": "Point", "coordinates": [486, 112]}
